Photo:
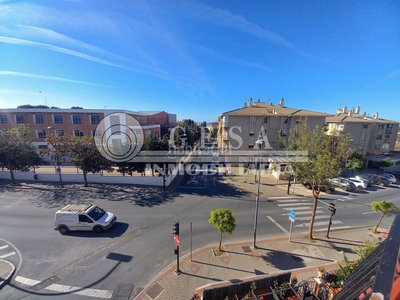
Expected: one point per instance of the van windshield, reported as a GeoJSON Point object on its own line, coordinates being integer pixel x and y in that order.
{"type": "Point", "coordinates": [96, 213]}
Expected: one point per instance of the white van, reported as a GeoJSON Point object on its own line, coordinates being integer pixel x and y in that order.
{"type": "Point", "coordinates": [83, 217]}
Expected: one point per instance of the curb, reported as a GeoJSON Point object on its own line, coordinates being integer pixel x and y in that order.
{"type": "Point", "coordinates": [10, 272]}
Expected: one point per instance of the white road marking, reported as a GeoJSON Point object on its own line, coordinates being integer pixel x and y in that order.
{"type": "Point", "coordinates": [305, 213]}
{"type": "Point", "coordinates": [334, 228]}
{"type": "Point", "coordinates": [316, 217]}
{"type": "Point", "coordinates": [322, 223]}
{"type": "Point", "coordinates": [370, 212]}
{"type": "Point", "coordinates": [298, 208]}
{"type": "Point", "coordinates": [27, 281]}
{"type": "Point", "coordinates": [7, 254]}
{"type": "Point", "coordinates": [106, 294]}
{"type": "Point", "coordinates": [278, 225]}
{"type": "Point", "coordinates": [291, 200]}
{"type": "Point", "coordinates": [4, 247]}
{"type": "Point", "coordinates": [291, 204]}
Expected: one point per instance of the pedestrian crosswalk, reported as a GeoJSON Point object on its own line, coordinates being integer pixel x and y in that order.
{"type": "Point", "coordinates": [6, 251]}
{"type": "Point", "coordinates": [302, 208]}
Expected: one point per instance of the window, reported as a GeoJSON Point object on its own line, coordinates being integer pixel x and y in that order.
{"type": "Point", "coordinates": [3, 119]}
{"type": "Point", "coordinates": [60, 132]}
{"type": "Point", "coordinates": [251, 133]}
{"type": "Point", "coordinates": [253, 120]}
{"type": "Point", "coordinates": [19, 119]}
{"type": "Point", "coordinates": [387, 136]}
{"type": "Point", "coordinates": [365, 125]}
{"type": "Point", "coordinates": [362, 138]}
{"type": "Point", "coordinates": [58, 119]}
{"type": "Point", "coordinates": [84, 219]}
{"type": "Point", "coordinates": [41, 134]}
{"type": "Point", "coordinates": [283, 132]}
{"type": "Point", "coordinates": [39, 119]}
{"type": "Point", "coordinates": [380, 127]}
{"type": "Point", "coordinates": [94, 119]}
{"type": "Point", "coordinates": [96, 134]}
{"type": "Point", "coordinates": [76, 119]}
{"type": "Point", "coordinates": [78, 133]}
{"type": "Point", "coordinates": [265, 120]}
{"type": "Point", "coordinates": [251, 146]}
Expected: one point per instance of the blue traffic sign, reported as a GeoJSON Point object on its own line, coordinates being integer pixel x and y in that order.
{"type": "Point", "coordinates": [292, 215]}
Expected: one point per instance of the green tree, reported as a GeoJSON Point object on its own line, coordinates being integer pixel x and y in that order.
{"type": "Point", "coordinates": [214, 132]}
{"type": "Point", "coordinates": [386, 208]}
{"type": "Point", "coordinates": [16, 150]}
{"type": "Point", "coordinates": [82, 151]}
{"type": "Point", "coordinates": [386, 162]}
{"type": "Point", "coordinates": [222, 220]}
{"type": "Point", "coordinates": [355, 162]}
{"type": "Point", "coordinates": [326, 155]}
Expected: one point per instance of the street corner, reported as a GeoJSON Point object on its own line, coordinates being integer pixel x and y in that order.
{"type": "Point", "coordinates": [7, 270]}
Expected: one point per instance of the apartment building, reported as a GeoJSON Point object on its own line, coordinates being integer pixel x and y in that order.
{"type": "Point", "coordinates": [240, 128]}
{"type": "Point", "coordinates": [369, 135]}
{"type": "Point", "coordinates": [78, 122]}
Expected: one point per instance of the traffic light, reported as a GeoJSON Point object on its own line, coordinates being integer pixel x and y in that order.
{"type": "Point", "coordinates": [176, 251]}
{"type": "Point", "coordinates": [332, 208]}
{"type": "Point", "coordinates": [176, 228]}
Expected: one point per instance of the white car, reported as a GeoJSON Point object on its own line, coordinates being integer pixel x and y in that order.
{"type": "Point", "coordinates": [390, 177]}
{"type": "Point", "coordinates": [359, 182]}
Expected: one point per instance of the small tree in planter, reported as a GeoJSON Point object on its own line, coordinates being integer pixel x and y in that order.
{"type": "Point", "coordinates": [222, 220]}
{"type": "Point", "coordinates": [385, 208]}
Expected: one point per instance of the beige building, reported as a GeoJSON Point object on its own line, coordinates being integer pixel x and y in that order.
{"type": "Point", "coordinates": [369, 135]}
{"type": "Point", "coordinates": [239, 129]}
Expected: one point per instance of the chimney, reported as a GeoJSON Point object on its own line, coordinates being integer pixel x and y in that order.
{"type": "Point", "coordinates": [350, 113]}
{"type": "Point", "coordinates": [358, 109]}
{"type": "Point", "coordinates": [345, 109]}
{"type": "Point", "coordinates": [250, 102]}
{"type": "Point", "coordinates": [281, 102]}
{"type": "Point", "coordinates": [258, 100]}
{"type": "Point", "coordinates": [365, 114]}
{"type": "Point", "coordinates": [376, 115]}
{"type": "Point", "coordinates": [245, 104]}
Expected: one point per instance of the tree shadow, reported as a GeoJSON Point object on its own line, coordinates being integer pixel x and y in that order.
{"type": "Point", "coordinates": [283, 260]}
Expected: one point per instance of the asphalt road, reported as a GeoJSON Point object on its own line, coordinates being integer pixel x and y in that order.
{"type": "Point", "coordinates": [140, 245]}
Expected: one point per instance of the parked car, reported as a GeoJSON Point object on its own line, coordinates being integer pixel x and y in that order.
{"type": "Point", "coordinates": [369, 182]}
{"type": "Point", "coordinates": [324, 188]}
{"type": "Point", "coordinates": [370, 177]}
{"type": "Point", "coordinates": [391, 177]}
{"type": "Point", "coordinates": [359, 182]}
{"type": "Point", "coordinates": [395, 174]}
{"type": "Point", "coordinates": [343, 183]}
{"type": "Point", "coordinates": [378, 180]}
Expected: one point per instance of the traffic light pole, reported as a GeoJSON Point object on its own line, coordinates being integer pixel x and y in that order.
{"type": "Point", "coordinates": [333, 211]}
{"type": "Point", "coordinates": [178, 271]}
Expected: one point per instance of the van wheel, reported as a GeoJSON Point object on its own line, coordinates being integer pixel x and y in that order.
{"type": "Point", "coordinates": [98, 229]}
{"type": "Point", "coordinates": [63, 230]}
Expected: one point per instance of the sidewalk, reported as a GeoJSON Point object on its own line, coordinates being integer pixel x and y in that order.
{"type": "Point", "coordinates": [6, 271]}
{"type": "Point", "coordinates": [240, 262]}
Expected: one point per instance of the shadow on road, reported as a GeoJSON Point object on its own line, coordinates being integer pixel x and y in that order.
{"type": "Point", "coordinates": [117, 230]}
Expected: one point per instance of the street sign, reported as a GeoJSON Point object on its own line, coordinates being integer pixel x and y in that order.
{"type": "Point", "coordinates": [176, 239]}
{"type": "Point", "coordinates": [292, 215]}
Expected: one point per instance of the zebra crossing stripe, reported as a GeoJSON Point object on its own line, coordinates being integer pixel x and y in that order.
{"type": "Point", "coordinates": [316, 217]}
{"type": "Point", "coordinates": [322, 223]}
{"type": "Point", "coordinates": [7, 254]}
{"type": "Point", "coordinates": [3, 247]}
{"type": "Point", "coordinates": [298, 208]}
{"type": "Point", "coordinates": [27, 281]}
{"type": "Point", "coordinates": [291, 204]}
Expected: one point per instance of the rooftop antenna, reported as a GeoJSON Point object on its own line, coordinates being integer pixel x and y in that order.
{"type": "Point", "coordinates": [45, 99]}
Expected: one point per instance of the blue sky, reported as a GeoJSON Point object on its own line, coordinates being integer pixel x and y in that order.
{"type": "Point", "coordinates": [198, 59]}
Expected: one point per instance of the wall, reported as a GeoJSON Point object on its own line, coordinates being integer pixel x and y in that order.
{"type": "Point", "coordinates": [94, 178]}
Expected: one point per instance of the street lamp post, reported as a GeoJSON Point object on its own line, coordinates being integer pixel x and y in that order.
{"type": "Point", "coordinates": [260, 143]}
{"type": "Point", "coordinates": [58, 169]}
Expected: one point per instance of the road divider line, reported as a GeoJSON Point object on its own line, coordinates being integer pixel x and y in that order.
{"type": "Point", "coordinates": [27, 281]}
{"type": "Point", "coordinates": [7, 254]}
{"type": "Point", "coordinates": [104, 294]}
{"type": "Point", "coordinates": [278, 225]}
